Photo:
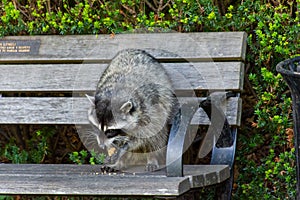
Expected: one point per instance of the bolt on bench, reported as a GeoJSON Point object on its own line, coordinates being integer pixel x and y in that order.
{"type": "Point", "coordinates": [198, 63]}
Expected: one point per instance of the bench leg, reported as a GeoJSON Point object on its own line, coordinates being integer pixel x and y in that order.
{"type": "Point", "coordinates": [223, 190]}
{"type": "Point", "coordinates": [177, 138]}
{"type": "Point", "coordinates": [225, 155]}
{"type": "Point", "coordinates": [223, 152]}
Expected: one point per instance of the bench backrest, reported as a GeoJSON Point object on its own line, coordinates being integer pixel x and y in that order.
{"type": "Point", "coordinates": [43, 79]}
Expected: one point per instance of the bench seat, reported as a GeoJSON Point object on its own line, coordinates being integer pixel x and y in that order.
{"type": "Point", "coordinates": [67, 179]}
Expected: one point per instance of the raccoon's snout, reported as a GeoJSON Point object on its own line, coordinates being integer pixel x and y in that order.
{"type": "Point", "coordinates": [116, 138]}
{"type": "Point", "coordinates": [114, 132]}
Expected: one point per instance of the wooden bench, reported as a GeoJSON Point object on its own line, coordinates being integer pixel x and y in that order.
{"type": "Point", "coordinates": [42, 67]}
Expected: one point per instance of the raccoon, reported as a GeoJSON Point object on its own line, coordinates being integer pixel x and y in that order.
{"type": "Point", "coordinates": [133, 102]}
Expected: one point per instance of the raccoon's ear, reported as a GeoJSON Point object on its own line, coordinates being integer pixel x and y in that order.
{"type": "Point", "coordinates": [92, 117]}
{"type": "Point", "coordinates": [126, 107]}
{"type": "Point", "coordinates": [91, 99]}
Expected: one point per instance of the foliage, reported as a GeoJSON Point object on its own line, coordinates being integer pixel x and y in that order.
{"type": "Point", "coordinates": [96, 17]}
{"type": "Point", "coordinates": [35, 153]}
{"type": "Point", "coordinates": [274, 179]}
{"type": "Point", "coordinates": [272, 176]}
{"type": "Point", "coordinates": [265, 156]}
{"type": "Point", "coordinates": [273, 36]}
{"type": "Point", "coordinates": [82, 157]}
{"type": "Point", "coordinates": [6, 197]}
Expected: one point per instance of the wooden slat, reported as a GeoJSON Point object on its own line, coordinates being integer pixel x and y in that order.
{"type": "Point", "coordinates": [63, 110]}
{"type": "Point", "coordinates": [205, 175]}
{"type": "Point", "coordinates": [84, 180]}
{"type": "Point", "coordinates": [84, 77]}
{"type": "Point", "coordinates": [191, 46]}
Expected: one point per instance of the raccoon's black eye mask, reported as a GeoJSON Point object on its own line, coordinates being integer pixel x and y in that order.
{"type": "Point", "coordinates": [114, 132]}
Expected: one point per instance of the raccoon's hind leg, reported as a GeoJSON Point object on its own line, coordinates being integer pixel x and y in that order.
{"type": "Point", "coordinates": [152, 162]}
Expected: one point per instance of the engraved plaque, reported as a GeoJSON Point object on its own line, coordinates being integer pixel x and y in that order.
{"type": "Point", "coordinates": [19, 47]}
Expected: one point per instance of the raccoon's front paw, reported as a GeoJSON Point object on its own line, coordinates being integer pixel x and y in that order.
{"type": "Point", "coordinates": [110, 164]}
{"type": "Point", "coordinates": [151, 167]}
{"type": "Point", "coordinates": [112, 157]}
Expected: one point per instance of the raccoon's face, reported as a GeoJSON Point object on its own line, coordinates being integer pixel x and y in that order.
{"type": "Point", "coordinates": [116, 121]}
{"type": "Point", "coordinates": [111, 116]}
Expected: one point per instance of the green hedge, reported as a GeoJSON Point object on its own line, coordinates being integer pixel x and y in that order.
{"type": "Point", "coordinates": [265, 157]}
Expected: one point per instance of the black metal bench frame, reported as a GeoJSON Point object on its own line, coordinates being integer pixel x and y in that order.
{"type": "Point", "coordinates": [222, 155]}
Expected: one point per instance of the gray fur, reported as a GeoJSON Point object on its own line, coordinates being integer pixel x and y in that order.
{"type": "Point", "coordinates": [134, 97]}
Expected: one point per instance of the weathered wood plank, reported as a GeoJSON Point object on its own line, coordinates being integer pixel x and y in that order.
{"type": "Point", "coordinates": [82, 180]}
{"type": "Point", "coordinates": [192, 46]}
{"type": "Point", "coordinates": [201, 176]}
{"type": "Point", "coordinates": [93, 185]}
{"type": "Point", "coordinates": [63, 110]}
{"type": "Point", "coordinates": [84, 77]}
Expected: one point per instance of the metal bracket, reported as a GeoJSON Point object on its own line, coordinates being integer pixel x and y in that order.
{"type": "Point", "coordinates": [177, 137]}
{"type": "Point", "coordinates": [223, 148]}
